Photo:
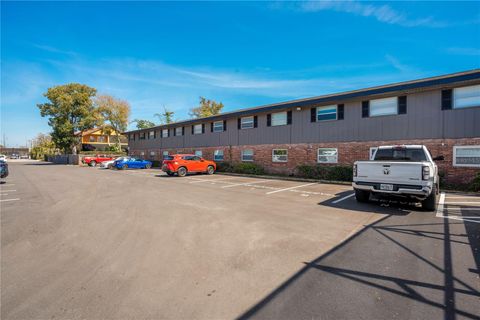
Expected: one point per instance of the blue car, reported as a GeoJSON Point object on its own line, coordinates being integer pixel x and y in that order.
{"type": "Point", "coordinates": [132, 163]}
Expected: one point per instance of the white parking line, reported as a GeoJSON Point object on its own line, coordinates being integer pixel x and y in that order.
{"type": "Point", "coordinates": [4, 200]}
{"type": "Point", "coordinates": [470, 197]}
{"type": "Point", "coordinates": [463, 202]}
{"type": "Point", "coordinates": [440, 205]}
{"type": "Point", "coordinates": [7, 184]}
{"type": "Point", "coordinates": [461, 209]}
{"type": "Point", "coordinates": [243, 184]}
{"type": "Point", "coordinates": [344, 198]}
{"type": "Point", "coordinates": [209, 180]}
{"type": "Point", "coordinates": [9, 190]}
{"type": "Point", "coordinates": [286, 189]}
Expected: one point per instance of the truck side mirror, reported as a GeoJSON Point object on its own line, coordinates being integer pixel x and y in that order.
{"type": "Point", "coordinates": [439, 158]}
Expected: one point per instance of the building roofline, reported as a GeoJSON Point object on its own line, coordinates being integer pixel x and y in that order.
{"type": "Point", "coordinates": [347, 95]}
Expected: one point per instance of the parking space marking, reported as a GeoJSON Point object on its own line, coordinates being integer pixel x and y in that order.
{"type": "Point", "coordinates": [243, 184]}
{"type": "Point", "coordinates": [463, 202]}
{"type": "Point", "coordinates": [450, 197]}
{"type": "Point", "coordinates": [286, 189]}
{"type": "Point", "coordinates": [9, 190]}
{"type": "Point", "coordinates": [344, 198]}
{"type": "Point", "coordinates": [197, 180]}
{"type": "Point", "coordinates": [441, 208]}
{"type": "Point", "coordinates": [5, 200]}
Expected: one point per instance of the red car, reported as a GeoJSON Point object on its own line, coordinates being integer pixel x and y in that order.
{"type": "Point", "coordinates": [182, 164]}
{"type": "Point", "coordinates": [93, 161]}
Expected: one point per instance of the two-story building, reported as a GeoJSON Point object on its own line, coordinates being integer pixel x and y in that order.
{"type": "Point", "coordinates": [441, 112]}
{"type": "Point", "coordinates": [100, 138]}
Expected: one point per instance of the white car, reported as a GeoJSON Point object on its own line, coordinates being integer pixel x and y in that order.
{"type": "Point", "coordinates": [404, 171]}
{"type": "Point", "coordinates": [109, 164]}
{"type": "Point", "coordinates": [3, 158]}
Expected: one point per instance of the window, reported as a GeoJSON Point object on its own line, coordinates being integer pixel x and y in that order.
{"type": "Point", "coordinates": [142, 136]}
{"type": "Point", "coordinates": [198, 153]}
{"type": "Point", "coordinates": [400, 154]}
{"type": "Point", "coordinates": [102, 139]}
{"type": "Point", "coordinates": [197, 129]}
{"type": "Point", "coordinates": [218, 126]}
{"type": "Point", "coordinates": [166, 156]}
{"type": "Point", "coordinates": [142, 153]}
{"type": "Point", "coordinates": [151, 135]}
{"type": "Point", "coordinates": [327, 155]}
{"type": "Point", "coordinates": [279, 155]}
{"type": "Point", "coordinates": [218, 155]}
{"type": "Point", "coordinates": [383, 107]}
{"type": "Point", "coordinates": [466, 156]}
{"type": "Point", "coordinates": [372, 152]}
{"type": "Point", "coordinates": [152, 153]}
{"type": "Point", "coordinates": [92, 139]}
{"type": "Point", "coordinates": [131, 137]}
{"type": "Point", "coordinates": [466, 97]}
{"type": "Point", "coordinates": [247, 155]}
{"type": "Point", "coordinates": [246, 123]}
{"type": "Point", "coordinates": [327, 113]}
{"type": "Point", "coordinates": [279, 119]}
{"type": "Point", "coordinates": [164, 133]}
{"type": "Point", "coordinates": [179, 131]}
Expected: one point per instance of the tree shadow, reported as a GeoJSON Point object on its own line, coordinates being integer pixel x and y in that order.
{"type": "Point", "coordinates": [280, 302]}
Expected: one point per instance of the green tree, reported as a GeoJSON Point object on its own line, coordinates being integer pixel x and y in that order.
{"type": "Point", "coordinates": [42, 145]}
{"type": "Point", "coordinates": [165, 117]}
{"type": "Point", "coordinates": [206, 108]}
{"type": "Point", "coordinates": [143, 124]}
{"type": "Point", "coordinates": [115, 113]}
{"type": "Point", "coordinates": [70, 109]}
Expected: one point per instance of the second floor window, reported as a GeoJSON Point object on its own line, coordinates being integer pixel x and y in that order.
{"type": "Point", "coordinates": [142, 136]}
{"type": "Point", "coordinates": [179, 131]}
{"type": "Point", "coordinates": [383, 107]}
{"type": "Point", "coordinates": [218, 126]}
{"type": "Point", "coordinates": [151, 135]}
{"type": "Point", "coordinates": [466, 97]}
{"type": "Point", "coordinates": [279, 119]}
{"type": "Point", "coordinates": [197, 129]}
{"type": "Point", "coordinates": [327, 113]}
{"type": "Point", "coordinates": [164, 133]}
{"type": "Point", "coordinates": [246, 123]}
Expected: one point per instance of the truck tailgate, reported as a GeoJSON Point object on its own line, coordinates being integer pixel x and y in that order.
{"type": "Point", "coordinates": [390, 172]}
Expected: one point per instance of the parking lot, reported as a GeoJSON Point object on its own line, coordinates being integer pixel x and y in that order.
{"type": "Point", "coordinates": [82, 242]}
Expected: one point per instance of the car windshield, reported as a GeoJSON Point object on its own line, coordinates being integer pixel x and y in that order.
{"type": "Point", "coordinates": [403, 154]}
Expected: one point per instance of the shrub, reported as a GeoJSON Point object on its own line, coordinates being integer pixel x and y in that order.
{"type": "Point", "coordinates": [224, 167]}
{"type": "Point", "coordinates": [322, 172]}
{"type": "Point", "coordinates": [156, 163]}
{"type": "Point", "coordinates": [248, 168]}
{"type": "Point", "coordinates": [475, 185]}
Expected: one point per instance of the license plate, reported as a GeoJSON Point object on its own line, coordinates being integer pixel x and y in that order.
{"type": "Point", "coordinates": [388, 187]}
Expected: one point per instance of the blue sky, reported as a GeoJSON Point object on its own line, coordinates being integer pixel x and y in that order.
{"type": "Point", "coordinates": [244, 54]}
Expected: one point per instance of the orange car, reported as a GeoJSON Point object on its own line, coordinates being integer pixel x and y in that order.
{"type": "Point", "coordinates": [182, 164]}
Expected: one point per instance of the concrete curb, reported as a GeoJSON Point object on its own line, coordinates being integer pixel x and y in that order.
{"type": "Point", "coordinates": [283, 178]}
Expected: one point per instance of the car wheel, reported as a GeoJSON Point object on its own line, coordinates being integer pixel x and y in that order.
{"type": "Point", "coordinates": [93, 163]}
{"type": "Point", "coordinates": [109, 166]}
{"type": "Point", "coordinates": [210, 170]}
{"type": "Point", "coordinates": [182, 172]}
{"type": "Point", "coordinates": [125, 166]}
{"type": "Point", "coordinates": [148, 166]}
{"type": "Point", "coordinates": [362, 195]}
{"type": "Point", "coordinates": [430, 203]}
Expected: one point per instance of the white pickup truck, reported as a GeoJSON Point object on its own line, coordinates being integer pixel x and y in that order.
{"type": "Point", "coordinates": [405, 171]}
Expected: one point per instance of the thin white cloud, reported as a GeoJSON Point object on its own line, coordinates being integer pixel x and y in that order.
{"type": "Point", "coordinates": [383, 13]}
{"type": "Point", "coordinates": [464, 51]}
{"type": "Point", "coordinates": [54, 50]}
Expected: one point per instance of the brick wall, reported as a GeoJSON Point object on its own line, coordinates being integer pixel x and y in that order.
{"type": "Point", "coordinates": [348, 152]}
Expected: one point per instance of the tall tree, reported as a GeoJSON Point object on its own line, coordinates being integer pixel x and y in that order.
{"type": "Point", "coordinates": [143, 124]}
{"type": "Point", "coordinates": [165, 117]}
{"type": "Point", "coordinates": [115, 113]}
{"type": "Point", "coordinates": [206, 108]}
{"type": "Point", "coordinates": [70, 109]}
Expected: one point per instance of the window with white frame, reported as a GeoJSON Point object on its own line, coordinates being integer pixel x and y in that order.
{"type": "Point", "coordinates": [141, 136]}
{"type": "Point", "coordinates": [466, 156]}
{"type": "Point", "coordinates": [218, 155]}
{"type": "Point", "coordinates": [279, 118]}
{"type": "Point", "coordinates": [198, 153]}
{"type": "Point", "coordinates": [218, 126]}
{"type": "Point", "coordinates": [372, 152]}
{"type": "Point", "coordinates": [152, 153]}
{"type": "Point", "coordinates": [246, 123]}
{"type": "Point", "coordinates": [178, 131]}
{"type": "Point", "coordinates": [164, 133]}
{"type": "Point", "coordinates": [165, 154]}
{"type": "Point", "coordinates": [151, 134]}
{"type": "Point", "coordinates": [327, 155]}
{"type": "Point", "coordinates": [327, 113]}
{"type": "Point", "coordinates": [383, 107]}
{"type": "Point", "coordinates": [466, 97]}
{"type": "Point", "coordinates": [142, 153]}
{"type": "Point", "coordinates": [197, 129]}
{"type": "Point", "coordinates": [279, 155]}
{"type": "Point", "coordinates": [247, 155]}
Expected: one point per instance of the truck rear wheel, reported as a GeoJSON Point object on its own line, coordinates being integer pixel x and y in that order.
{"type": "Point", "coordinates": [430, 203]}
{"type": "Point", "coordinates": [362, 195]}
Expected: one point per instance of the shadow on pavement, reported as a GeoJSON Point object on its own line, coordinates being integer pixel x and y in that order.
{"type": "Point", "coordinates": [399, 266]}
